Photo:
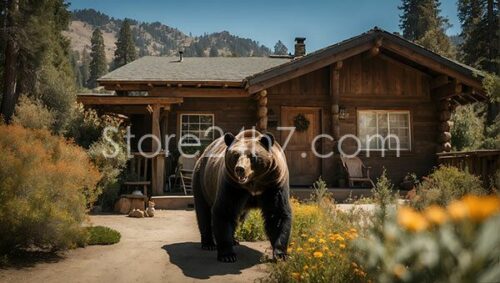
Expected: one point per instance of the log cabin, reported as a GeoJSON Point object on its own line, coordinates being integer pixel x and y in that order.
{"type": "Point", "coordinates": [373, 83]}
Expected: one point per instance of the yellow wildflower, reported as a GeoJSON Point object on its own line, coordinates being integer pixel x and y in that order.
{"type": "Point", "coordinates": [289, 250]}
{"type": "Point", "coordinates": [399, 271]}
{"type": "Point", "coordinates": [311, 240]}
{"type": "Point", "coordinates": [482, 207]}
{"type": "Point", "coordinates": [318, 254]}
{"type": "Point", "coordinates": [299, 249]}
{"type": "Point", "coordinates": [411, 219]}
{"type": "Point", "coordinates": [306, 267]}
{"type": "Point", "coordinates": [436, 214]}
{"type": "Point", "coordinates": [342, 246]}
{"type": "Point", "coordinates": [296, 275]}
{"type": "Point", "coordinates": [322, 241]}
{"type": "Point", "coordinates": [325, 248]}
{"type": "Point", "coordinates": [303, 235]}
{"type": "Point", "coordinates": [458, 210]}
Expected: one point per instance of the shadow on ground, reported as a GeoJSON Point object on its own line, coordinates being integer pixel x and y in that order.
{"type": "Point", "coordinates": [201, 264]}
{"type": "Point", "coordinates": [24, 259]}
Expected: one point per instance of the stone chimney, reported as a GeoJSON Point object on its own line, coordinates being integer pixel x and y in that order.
{"type": "Point", "coordinates": [300, 46]}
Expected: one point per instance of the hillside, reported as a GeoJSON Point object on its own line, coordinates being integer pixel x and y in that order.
{"type": "Point", "coordinates": [158, 39]}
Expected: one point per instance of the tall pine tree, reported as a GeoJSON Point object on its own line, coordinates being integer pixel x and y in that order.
{"type": "Point", "coordinates": [280, 48]}
{"type": "Point", "coordinates": [125, 47]}
{"type": "Point", "coordinates": [42, 67]}
{"type": "Point", "coordinates": [480, 32]}
{"type": "Point", "coordinates": [98, 65]}
{"type": "Point", "coordinates": [421, 22]}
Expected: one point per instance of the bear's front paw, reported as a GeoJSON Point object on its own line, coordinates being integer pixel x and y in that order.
{"type": "Point", "coordinates": [208, 246]}
{"type": "Point", "coordinates": [279, 254]}
{"type": "Point", "coordinates": [226, 257]}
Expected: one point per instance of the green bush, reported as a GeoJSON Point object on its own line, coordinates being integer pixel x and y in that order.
{"type": "Point", "coordinates": [32, 114]}
{"type": "Point", "coordinates": [444, 185]}
{"type": "Point", "coordinates": [100, 235]}
{"type": "Point", "coordinates": [46, 184]}
{"type": "Point", "coordinates": [467, 129]}
{"type": "Point", "coordinates": [252, 229]}
{"type": "Point", "coordinates": [86, 129]}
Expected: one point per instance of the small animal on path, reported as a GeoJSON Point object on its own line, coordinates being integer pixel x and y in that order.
{"type": "Point", "coordinates": [235, 174]}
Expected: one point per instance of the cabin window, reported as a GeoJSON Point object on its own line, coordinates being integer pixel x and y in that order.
{"type": "Point", "coordinates": [374, 126]}
{"type": "Point", "coordinates": [197, 125]}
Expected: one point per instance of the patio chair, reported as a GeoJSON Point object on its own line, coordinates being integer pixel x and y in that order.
{"type": "Point", "coordinates": [183, 174]}
{"type": "Point", "coordinates": [356, 170]}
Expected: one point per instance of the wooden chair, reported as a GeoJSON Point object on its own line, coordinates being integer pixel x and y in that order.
{"type": "Point", "coordinates": [184, 174]}
{"type": "Point", "coordinates": [356, 170]}
{"type": "Point", "coordinates": [138, 173]}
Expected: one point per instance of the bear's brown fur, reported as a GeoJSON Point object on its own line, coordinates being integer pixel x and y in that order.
{"type": "Point", "coordinates": [233, 174]}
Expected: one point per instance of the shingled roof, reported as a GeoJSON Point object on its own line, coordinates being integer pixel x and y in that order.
{"type": "Point", "coordinates": [224, 69]}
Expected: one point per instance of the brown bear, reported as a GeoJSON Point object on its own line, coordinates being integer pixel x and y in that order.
{"type": "Point", "coordinates": [237, 173]}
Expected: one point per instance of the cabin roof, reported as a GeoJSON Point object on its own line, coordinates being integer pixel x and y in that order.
{"type": "Point", "coordinates": [257, 73]}
{"type": "Point", "coordinates": [202, 69]}
{"type": "Point", "coordinates": [347, 46]}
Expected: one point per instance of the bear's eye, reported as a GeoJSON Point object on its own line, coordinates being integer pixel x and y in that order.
{"type": "Point", "coordinates": [254, 159]}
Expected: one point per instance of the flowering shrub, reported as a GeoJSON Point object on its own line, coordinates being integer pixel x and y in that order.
{"type": "Point", "coordinates": [46, 185]}
{"type": "Point", "coordinates": [444, 185]}
{"type": "Point", "coordinates": [456, 243]}
{"type": "Point", "coordinates": [252, 229]}
{"type": "Point", "coordinates": [321, 247]}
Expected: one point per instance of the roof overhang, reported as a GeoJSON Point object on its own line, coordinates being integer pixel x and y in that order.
{"type": "Point", "coordinates": [127, 100]}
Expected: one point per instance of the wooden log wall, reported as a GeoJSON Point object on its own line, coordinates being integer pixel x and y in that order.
{"type": "Point", "coordinates": [444, 126]}
{"type": "Point", "coordinates": [262, 111]}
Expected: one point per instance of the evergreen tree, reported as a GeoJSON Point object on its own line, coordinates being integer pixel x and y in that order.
{"type": "Point", "coordinates": [213, 52]}
{"type": "Point", "coordinates": [125, 47]}
{"type": "Point", "coordinates": [481, 47]}
{"type": "Point", "coordinates": [42, 66]}
{"type": "Point", "coordinates": [98, 65]}
{"type": "Point", "coordinates": [421, 23]}
{"type": "Point", "coordinates": [85, 67]}
{"type": "Point", "coordinates": [280, 48]}
{"type": "Point", "coordinates": [480, 32]}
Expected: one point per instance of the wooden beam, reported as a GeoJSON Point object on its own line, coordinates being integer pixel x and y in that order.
{"type": "Point", "coordinates": [126, 100]}
{"type": "Point", "coordinates": [375, 50]}
{"type": "Point", "coordinates": [198, 92]}
{"type": "Point", "coordinates": [294, 69]}
{"type": "Point", "coordinates": [432, 64]}
{"type": "Point", "coordinates": [335, 98]}
{"type": "Point", "coordinates": [439, 81]}
{"type": "Point", "coordinates": [449, 90]}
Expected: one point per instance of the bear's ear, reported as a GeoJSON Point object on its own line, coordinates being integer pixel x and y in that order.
{"type": "Point", "coordinates": [267, 140]}
{"type": "Point", "coordinates": [228, 139]}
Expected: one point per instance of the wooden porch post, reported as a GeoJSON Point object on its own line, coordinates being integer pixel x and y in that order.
{"type": "Point", "coordinates": [262, 111]}
{"type": "Point", "coordinates": [158, 163]}
{"type": "Point", "coordinates": [335, 94]}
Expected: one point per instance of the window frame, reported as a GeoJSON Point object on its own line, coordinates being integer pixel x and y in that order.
{"type": "Point", "coordinates": [387, 112]}
{"type": "Point", "coordinates": [194, 113]}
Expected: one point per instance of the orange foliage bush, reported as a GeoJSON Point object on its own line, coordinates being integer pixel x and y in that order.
{"type": "Point", "coordinates": [46, 186]}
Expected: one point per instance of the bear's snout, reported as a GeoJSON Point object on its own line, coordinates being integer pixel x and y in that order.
{"type": "Point", "coordinates": [240, 171]}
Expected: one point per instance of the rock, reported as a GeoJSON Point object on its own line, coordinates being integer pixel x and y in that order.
{"type": "Point", "coordinates": [150, 211]}
{"type": "Point", "coordinates": [136, 213]}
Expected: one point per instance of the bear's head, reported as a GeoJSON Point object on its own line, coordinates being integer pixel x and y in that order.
{"type": "Point", "coordinates": [251, 158]}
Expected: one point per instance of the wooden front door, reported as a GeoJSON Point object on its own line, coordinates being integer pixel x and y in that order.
{"type": "Point", "coordinates": [304, 166]}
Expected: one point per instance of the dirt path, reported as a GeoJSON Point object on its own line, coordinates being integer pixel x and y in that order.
{"type": "Point", "coordinates": [160, 249]}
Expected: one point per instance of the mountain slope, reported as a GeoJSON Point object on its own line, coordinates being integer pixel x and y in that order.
{"type": "Point", "coordinates": [158, 39]}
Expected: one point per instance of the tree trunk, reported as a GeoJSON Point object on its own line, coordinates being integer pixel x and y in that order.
{"type": "Point", "coordinates": [10, 94]}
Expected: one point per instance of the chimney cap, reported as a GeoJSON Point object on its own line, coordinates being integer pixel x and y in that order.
{"type": "Point", "coordinates": [300, 39]}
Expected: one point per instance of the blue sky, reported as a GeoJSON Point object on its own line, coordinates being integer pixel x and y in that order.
{"type": "Point", "coordinates": [321, 22]}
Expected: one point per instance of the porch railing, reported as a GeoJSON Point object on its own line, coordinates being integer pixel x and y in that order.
{"type": "Point", "coordinates": [482, 163]}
